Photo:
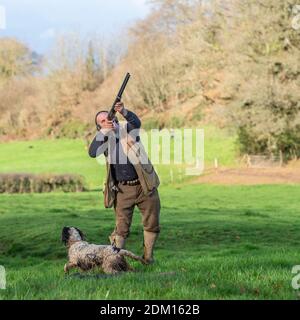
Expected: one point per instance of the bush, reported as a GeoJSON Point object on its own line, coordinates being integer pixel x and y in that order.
{"type": "Point", "coordinates": [152, 123]}
{"type": "Point", "coordinates": [29, 183]}
{"type": "Point", "coordinates": [176, 122]}
{"type": "Point", "coordinates": [72, 129]}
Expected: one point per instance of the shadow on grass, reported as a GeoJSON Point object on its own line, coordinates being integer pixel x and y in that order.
{"type": "Point", "coordinates": [79, 275]}
{"type": "Point", "coordinates": [85, 276]}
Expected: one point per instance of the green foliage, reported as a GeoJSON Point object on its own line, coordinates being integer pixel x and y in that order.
{"type": "Point", "coordinates": [29, 183]}
{"type": "Point", "coordinates": [151, 123]}
{"type": "Point", "coordinates": [176, 122]}
{"type": "Point", "coordinates": [248, 143]}
{"type": "Point", "coordinates": [198, 114]}
{"type": "Point", "coordinates": [266, 108]}
{"type": "Point", "coordinates": [163, 122]}
{"type": "Point", "coordinates": [72, 129]}
{"type": "Point", "coordinates": [216, 242]}
{"type": "Point", "coordinates": [91, 79]}
{"type": "Point", "coordinates": [289, 143]}
{"type": "Point", "coordinates": [15, 59]}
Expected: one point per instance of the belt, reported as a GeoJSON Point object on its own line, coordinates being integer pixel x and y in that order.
{"type": "Point", "coordinates": [131, 182]}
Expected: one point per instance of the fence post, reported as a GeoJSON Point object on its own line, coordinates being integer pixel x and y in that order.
{"type": "Point", "coordinates": [280, 158]}
{"type": "Point", "coordinates": [216, 164]}
{"type": "Point", "coordinates": [248, 161]}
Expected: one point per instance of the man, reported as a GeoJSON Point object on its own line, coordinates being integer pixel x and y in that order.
{"type": "Point", "coordinates": [129, 183]}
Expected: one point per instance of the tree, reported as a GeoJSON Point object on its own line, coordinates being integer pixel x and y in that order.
{"type": "Point", "coordinates": [265, 58]}
{"type": "Point", "coordinates": [15, 59]}
{"type": "Point", "coordinates": [91, 79]}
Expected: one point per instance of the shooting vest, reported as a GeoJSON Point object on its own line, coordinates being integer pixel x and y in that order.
{"type": "Point", "coordinates": [138, 157]}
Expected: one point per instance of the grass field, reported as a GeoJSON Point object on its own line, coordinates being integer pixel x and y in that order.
{"type": "Point", "coordinates": [217, 242]}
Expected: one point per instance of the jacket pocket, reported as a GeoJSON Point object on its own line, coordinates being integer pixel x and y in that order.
{"type": "Point", "coordinates": [150, 176]}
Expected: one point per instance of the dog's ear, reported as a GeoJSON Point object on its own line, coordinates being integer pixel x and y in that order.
{"type": "Point", "coordinates": [81, 234]}
{"type": "Point", "coordinates": [65, 235]}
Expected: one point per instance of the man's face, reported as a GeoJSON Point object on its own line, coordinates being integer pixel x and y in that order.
{"type": "Point", "coordinates": [101, 118]}
{"type": "Point", "coordinates": [104, 122]}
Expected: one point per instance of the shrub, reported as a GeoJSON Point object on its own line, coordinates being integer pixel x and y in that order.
{"type": "Point", "coordinates": [72, 129]}
{"type": "Point", "coordinates": [152, 123]}
{"type": "Point", "coordinates": [176, 122]}
{"type": "Point", "coordinates": [29, 183]}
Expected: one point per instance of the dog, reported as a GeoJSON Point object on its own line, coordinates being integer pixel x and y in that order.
{"type": "Point", "coordinates": [87, 256]}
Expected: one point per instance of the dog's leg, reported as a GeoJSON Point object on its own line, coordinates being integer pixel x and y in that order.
{"type": "Point", "coordinates": [130, 268]}
{"type": "Point", "coordinates": [69, 266]}
{"type": "Point", "coordinates": [108, 269]}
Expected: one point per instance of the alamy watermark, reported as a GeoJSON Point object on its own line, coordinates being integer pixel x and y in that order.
{"type": "Point", "coordinates": [167, 146]}
{"type": "Point", "coordinates": [2, 278]}
{"type": "Point", "coordinates": [296, 278]}
{"type": "Point", "coordinates": [296, 18]}
{"type": "Point", "coordinates": [2, 18]}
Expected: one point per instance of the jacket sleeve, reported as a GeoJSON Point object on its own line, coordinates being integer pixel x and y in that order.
{"type": "Point", "coordinates": [133, 121]}
{"type": "Point", "coordinates": [95, 147]}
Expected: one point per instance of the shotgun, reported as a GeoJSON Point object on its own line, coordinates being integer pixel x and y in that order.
{"type": "Point", "coordinates": [112, 111]}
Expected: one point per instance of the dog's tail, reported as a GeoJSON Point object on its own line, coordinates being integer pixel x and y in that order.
{"type": "Point", "coordinates": [131, 255]}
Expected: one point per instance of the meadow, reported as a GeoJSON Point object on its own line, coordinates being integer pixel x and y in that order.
{"type": "Point", "coordinates": [216, 242]}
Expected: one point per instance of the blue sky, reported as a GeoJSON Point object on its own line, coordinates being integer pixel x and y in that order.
{"type": "Point", "coordinates": [37, 22]}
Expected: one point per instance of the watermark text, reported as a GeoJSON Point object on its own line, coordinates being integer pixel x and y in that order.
{"type": "Point", "coordinates": [2, 278]}
{"type": "Point", "coordinates": [296, 17]}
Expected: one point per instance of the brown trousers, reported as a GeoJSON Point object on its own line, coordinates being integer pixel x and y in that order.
{"type": "Point", "coordinates": [127, 198]}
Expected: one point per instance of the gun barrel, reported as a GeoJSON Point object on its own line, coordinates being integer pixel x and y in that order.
{"type": "Point", "coordinates": [112, 112]}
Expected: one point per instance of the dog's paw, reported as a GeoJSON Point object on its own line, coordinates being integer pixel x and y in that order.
{"type": "Point", "coordinates": [66, 269]}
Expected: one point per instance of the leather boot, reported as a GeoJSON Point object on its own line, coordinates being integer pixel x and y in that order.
{"type": "Point", "coordinates": [117, 241]}
{"type": "Point", "coordinates": [149, 242]}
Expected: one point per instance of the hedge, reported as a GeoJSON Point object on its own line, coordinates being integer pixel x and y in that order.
{"type": "Point", "coordinates": [30, 183]}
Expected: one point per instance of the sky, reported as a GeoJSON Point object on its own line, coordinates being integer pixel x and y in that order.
{"type": "Point", "coordinates": [37, 22]}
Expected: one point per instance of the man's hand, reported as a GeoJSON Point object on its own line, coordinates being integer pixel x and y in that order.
{"type": "Point", "coordinates": [119, 107]}
{"type": "Point", "coordinates": [107, 124]}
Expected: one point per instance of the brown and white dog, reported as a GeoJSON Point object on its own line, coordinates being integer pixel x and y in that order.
{"type": "Point", "coordinates": [87, 256]}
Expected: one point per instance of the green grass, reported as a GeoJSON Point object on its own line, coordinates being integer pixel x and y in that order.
{"type": "Point", "coordinates": [216, 243]}
{"type": "Point", "coordinates": [51, 156]}
{"type": "Point", "coordinates": [220, 144]}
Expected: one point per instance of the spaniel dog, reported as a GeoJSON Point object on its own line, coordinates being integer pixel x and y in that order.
{"type": "Point", "coordinates": [86, 256]}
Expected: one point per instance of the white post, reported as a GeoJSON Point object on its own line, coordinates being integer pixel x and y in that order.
{"type": "Point", "coordinates": [216, 163]}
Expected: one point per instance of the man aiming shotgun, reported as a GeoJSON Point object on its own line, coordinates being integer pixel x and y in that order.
{"type": "Point", "coordinates": [129, 183]}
